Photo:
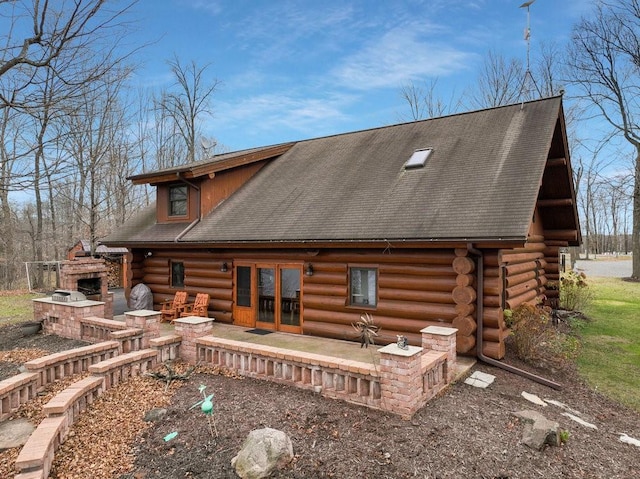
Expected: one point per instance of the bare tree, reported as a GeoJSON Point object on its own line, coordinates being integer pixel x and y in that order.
{"type": "Point", "coordinates": [604, 63]}
{"type": "Point", "coordinates": [42, 32]}
{"type": "Point", "coordinates": [424, 102]}
{"type": "Point", "coordinates": [94, 130]}
{"type": "Point", "coordinates": [500, 82]}
{"type": "Point", "coordinates": [51, 52]}
{"type": "Point", "coordinates": [189, 102]}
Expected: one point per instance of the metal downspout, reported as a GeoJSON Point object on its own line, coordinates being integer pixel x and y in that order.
{"type": "Point", "coordinates": [480, 327]}
{"type": "Point", "coordinates": [187, 229]}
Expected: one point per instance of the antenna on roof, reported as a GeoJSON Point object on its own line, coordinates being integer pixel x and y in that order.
{"type": "Point", "coordinates": [527, 38]}
{"type": "Point", "coordinates": [207, 144]}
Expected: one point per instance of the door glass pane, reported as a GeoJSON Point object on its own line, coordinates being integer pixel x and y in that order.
{"type": "Point", "coordinates": [244, 286]}
{"type": "Point", "coordinates": [266, 294]}
{"type": "Point", "coordinates": [290, 296]}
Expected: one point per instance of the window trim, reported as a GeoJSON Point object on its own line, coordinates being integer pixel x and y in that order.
{"type": "Point", "coordinates": [171, 202]}
{"type": "Point", "coordinates": [172, 284]}
{"type": "Point", "coordinates": [368, 267]}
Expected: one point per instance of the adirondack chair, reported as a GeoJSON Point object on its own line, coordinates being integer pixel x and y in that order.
{"type": "Point", "coordinates": [172, 308]}
{"type": "Point", "coordinates": [198, 308]}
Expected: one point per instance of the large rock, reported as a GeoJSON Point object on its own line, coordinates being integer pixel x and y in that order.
{"type": "Point", "coordinates": [155, 415]}
{"type": "Point", "coordinates": [264, 451]}
{"type": "Point", "coordinates": [141, 297]}
{"type": "Point", "coordinates": [15, 433]}
{"type": "Point", "coordinates": [538, 430]}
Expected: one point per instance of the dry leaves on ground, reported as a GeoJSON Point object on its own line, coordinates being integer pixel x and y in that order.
{"type": "Point", "coordinates": [99, 445]}
{"type": "Point", "coordinates": [32, 411]}
{"type": "Point", "coordinates": [22, 355]}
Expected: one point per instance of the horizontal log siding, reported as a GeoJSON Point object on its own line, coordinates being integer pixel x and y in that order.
{"type": "Point", "coordinates": [524, 271]}
{"type": "Point", "coordinates": [552, 257]}
{"type": "Point", "coordinates": [464, 296]}
{"type": "Point", "coordinates": [414, 291]}
{"type": "Point", "coordinates": [201, 275]}
{"type": "Point", "coordinates": [493, 326]}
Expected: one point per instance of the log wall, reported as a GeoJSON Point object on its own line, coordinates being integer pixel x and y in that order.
{"type": "Point", "coordinates": [552, 258]}
{"type": "Point", "coordinates": [524, 272]}
{"type": "Point", "coordinates": [201, 275]}
{"type": "Point", "coordinates": [415, 290]}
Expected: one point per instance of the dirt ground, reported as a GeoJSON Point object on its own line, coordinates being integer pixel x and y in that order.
{"type": "Point", "coordinates": [465, 433]}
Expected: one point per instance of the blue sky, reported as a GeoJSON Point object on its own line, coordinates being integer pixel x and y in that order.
{"type": "Point", "coordinates": [291, 70]}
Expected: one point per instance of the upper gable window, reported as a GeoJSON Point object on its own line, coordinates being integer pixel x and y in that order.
{"type": "Point", "coordinates": [178, 195]}
{"type": "Point", "coordinates": [418, 159]}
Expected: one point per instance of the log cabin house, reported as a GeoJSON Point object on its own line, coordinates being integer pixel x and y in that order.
{"type": "Point", "coordinates": [447, 221]}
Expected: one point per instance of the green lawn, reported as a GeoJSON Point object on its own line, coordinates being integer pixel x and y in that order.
{"type": "Point", "coordinates": [15, 308]}
{"type": "Point", "coordinates": [610, 356]}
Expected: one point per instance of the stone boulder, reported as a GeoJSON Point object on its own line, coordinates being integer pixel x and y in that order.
{"type": "Point", "coordinates": [264, 451]}
{"type": "Point", "coordinates": [538, 430]}
{"type": "Point", "coordinates": [15, 433]}
{"type": "Point", "coordinates": [155, 415]}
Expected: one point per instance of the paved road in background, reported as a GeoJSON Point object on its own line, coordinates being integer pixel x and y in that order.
{"type": "Point", "coordinates": [610, 269]}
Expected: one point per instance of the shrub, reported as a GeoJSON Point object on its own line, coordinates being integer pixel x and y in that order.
{"type": "Point", "coordinates": [535, 340]}
{"type": "Point", "coordinates": [575, 293]}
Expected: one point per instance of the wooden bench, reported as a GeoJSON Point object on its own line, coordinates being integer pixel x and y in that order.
{"type": "Point", "coordinates": [36, 456]}
{"type": "Point", "coordinates": [119, 368]}
{"type": "Point", "coordinates": [73, 361]}
{"type": "Point", "coordinates": [75, 399]}
{"type": "Point", "coordinates": [15, 391]}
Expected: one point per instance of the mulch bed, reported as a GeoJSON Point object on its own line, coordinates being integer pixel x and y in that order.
{"type": "Point", "coordinates": [464, 433]}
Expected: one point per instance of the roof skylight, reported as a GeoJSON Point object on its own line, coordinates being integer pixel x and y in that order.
{"type": "Point", "coordinates": [418, 159]}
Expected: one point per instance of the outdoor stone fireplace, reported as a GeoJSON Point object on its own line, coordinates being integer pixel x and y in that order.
{"type": "Point", "coordinates": [88, 276]}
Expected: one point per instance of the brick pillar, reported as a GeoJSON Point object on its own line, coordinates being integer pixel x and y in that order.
{"type": "Point", "coordinates": [191, 328]}
{"type": "Point", "coordinates": [147, 320]}
{"type": "Point", "coordinates": [108, 305]}
{"type": "Point", "coordinates": [438, 338]}
{"type": "Point", "coordinates": [401, 379]}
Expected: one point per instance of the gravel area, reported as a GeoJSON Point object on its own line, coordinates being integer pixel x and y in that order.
{"type": "Point", "coordinates": [605, 268]}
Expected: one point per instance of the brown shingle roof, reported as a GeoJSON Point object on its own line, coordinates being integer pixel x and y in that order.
{"type": "Point", "coordinates": [480, 182]}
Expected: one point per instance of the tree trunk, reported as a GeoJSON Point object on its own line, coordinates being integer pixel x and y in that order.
{"type": "Point", "coordinates": [635, 243]}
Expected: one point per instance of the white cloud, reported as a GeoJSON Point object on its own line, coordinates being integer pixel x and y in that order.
{"type": "Point", "coordinates": [212, 7]}
{"type": "Point", "coordinates": [272, 114]}
{"type": "Point", "coordinates": [400, 55]}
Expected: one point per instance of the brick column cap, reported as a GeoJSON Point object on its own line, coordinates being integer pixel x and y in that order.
{"type": "Point", "coordinates": [393, 349]}
{"type": "Point", "coordinates": [142, 313]}
{"type": "Point", "coordinates": [193, 320]}
{"type": "Point", "coordinates": [439, 330]}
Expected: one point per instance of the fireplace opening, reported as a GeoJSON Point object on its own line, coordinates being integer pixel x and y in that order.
{"type": "Point", "coordinates": [91, 288]}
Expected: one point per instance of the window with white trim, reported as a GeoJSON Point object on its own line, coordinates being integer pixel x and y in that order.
{"type": "Point", "coordinates": [363, 286]}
